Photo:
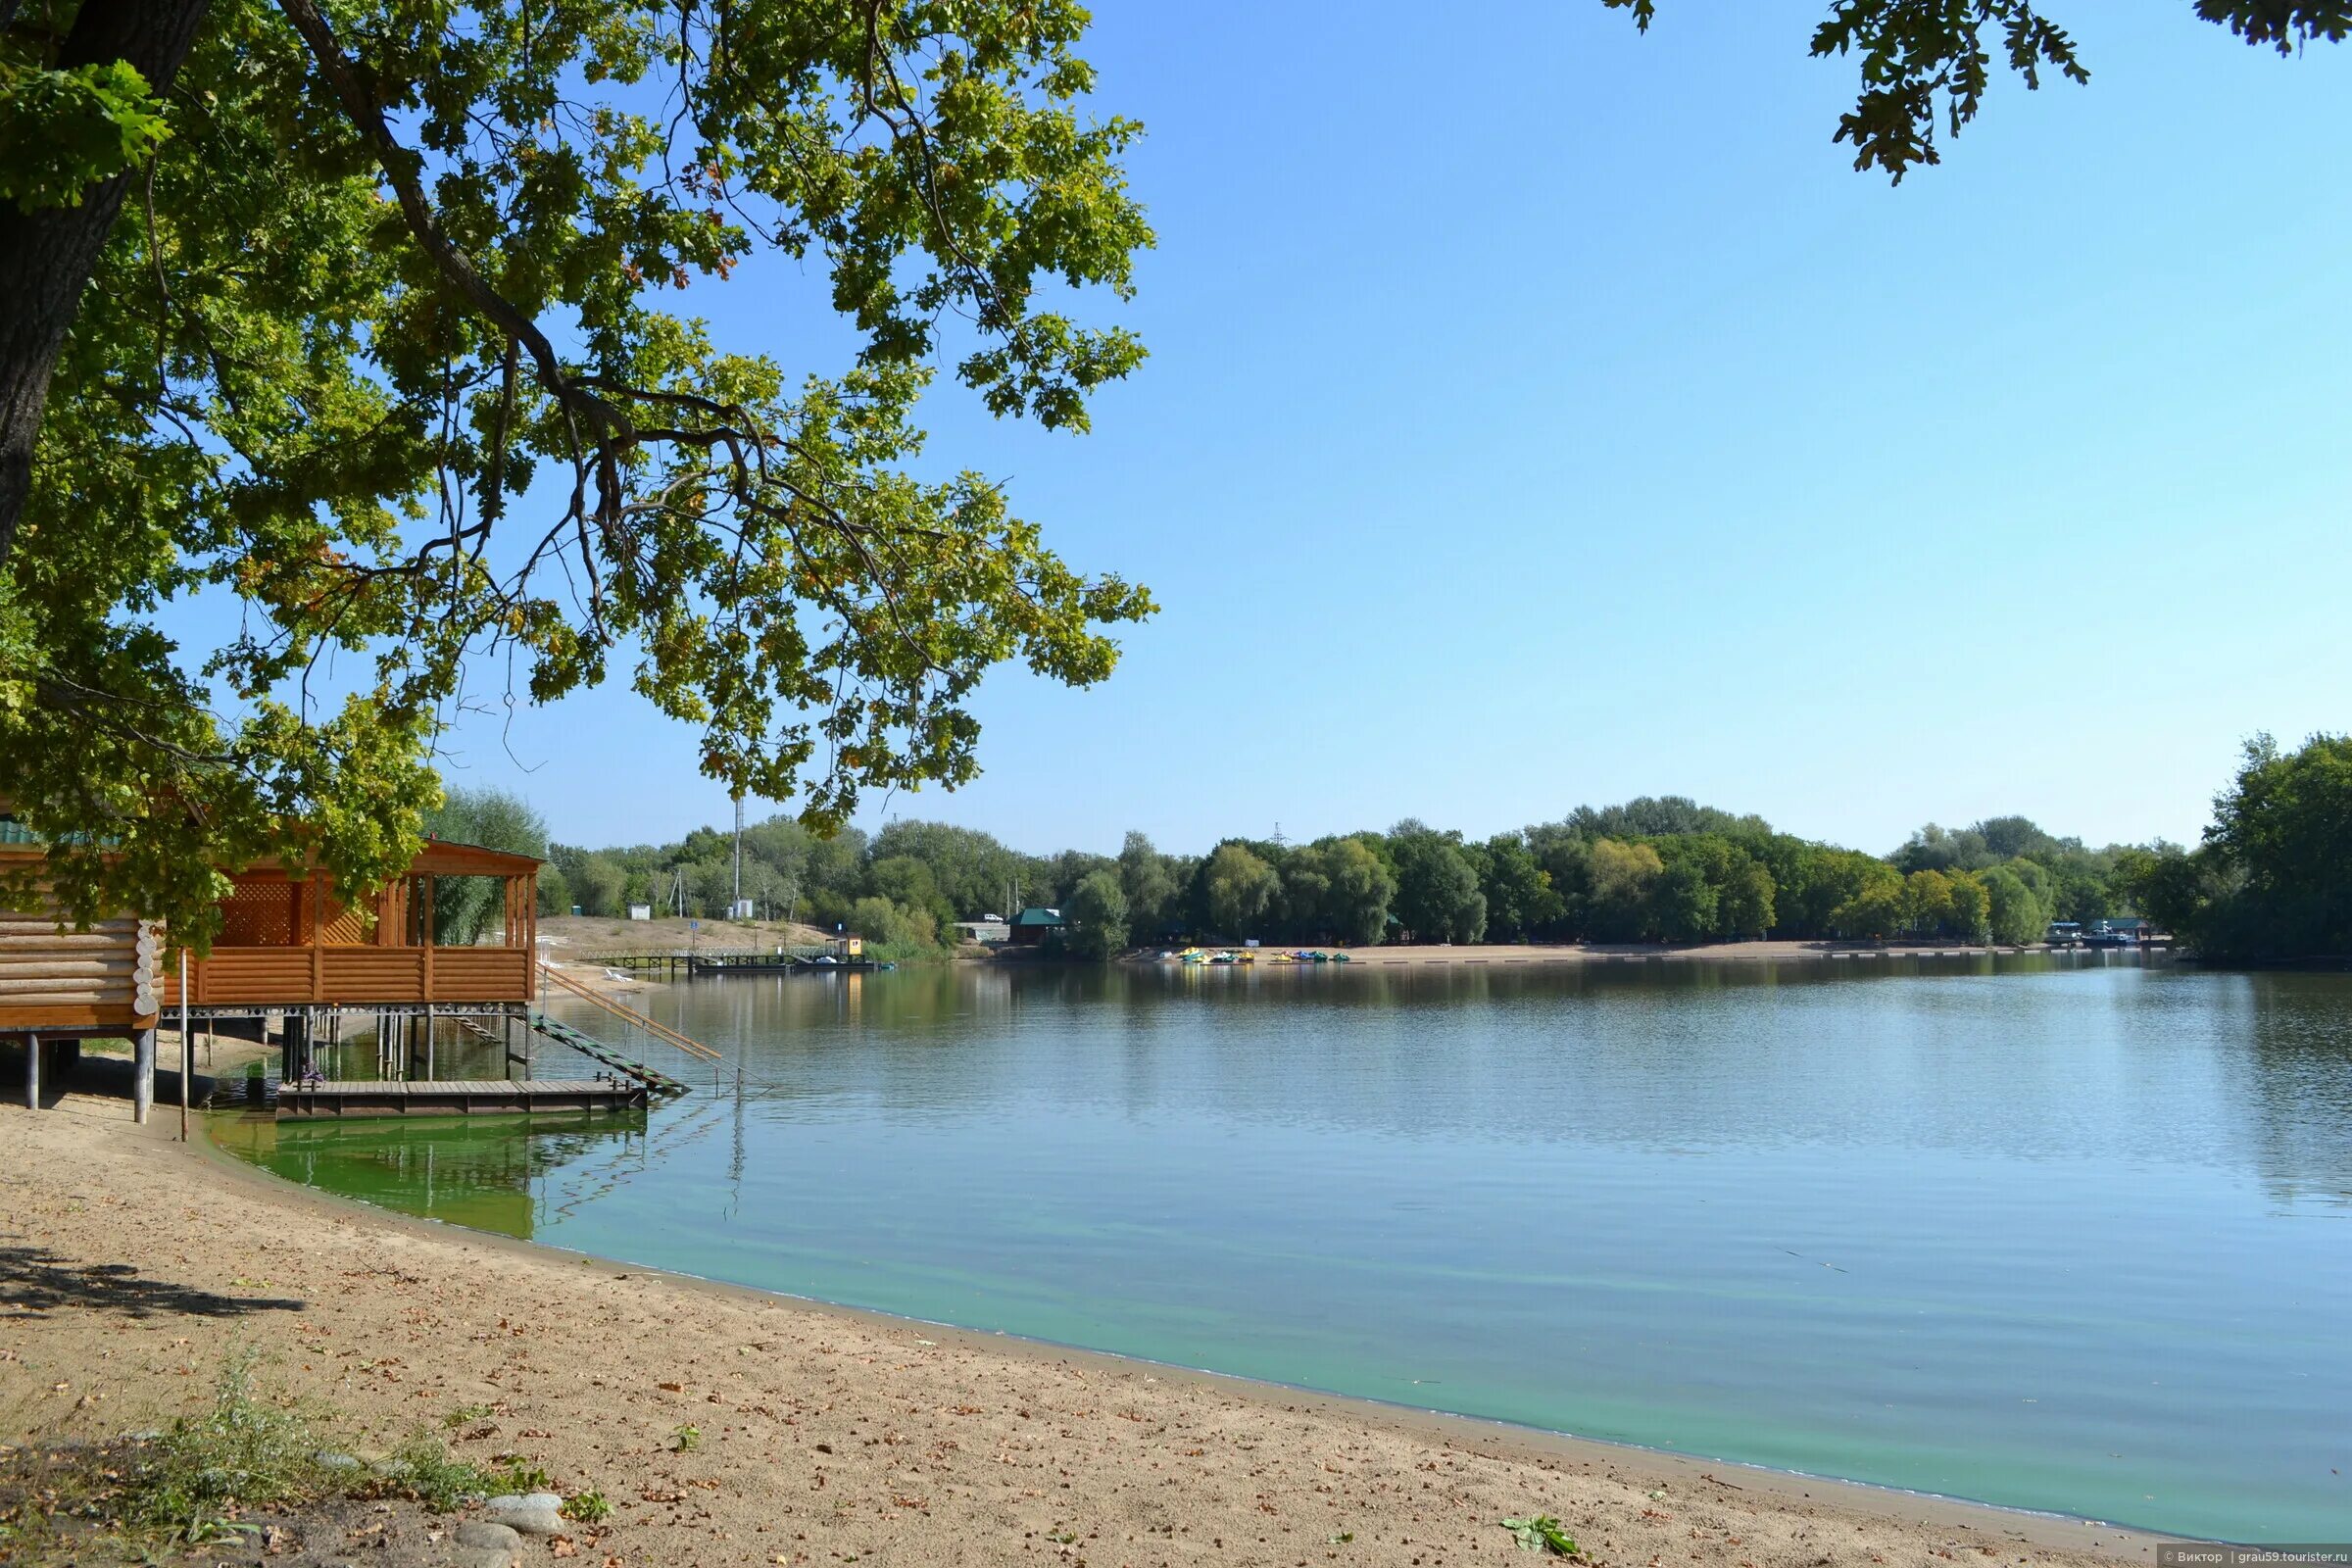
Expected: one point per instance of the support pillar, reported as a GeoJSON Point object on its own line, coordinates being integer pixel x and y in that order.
{"type": "Point", "coordinates": [187, 1048]}
{"type": "Point", "coordinates": [32, 1072]}
{"type": "Point", "coordinates": [142, 1074]}
{"type": "Point", "coordinates": [296, 1030]}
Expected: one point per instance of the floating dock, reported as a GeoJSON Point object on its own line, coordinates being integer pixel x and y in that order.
{"type": "Point", "coordinates": [474, 1097]}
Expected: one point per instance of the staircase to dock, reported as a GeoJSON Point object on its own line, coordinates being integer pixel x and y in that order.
{"type": "Point", "coordinates": [596, 1051]}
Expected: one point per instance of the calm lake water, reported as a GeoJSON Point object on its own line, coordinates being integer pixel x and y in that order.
{"type": "Point", "coordinates": [2060, 1234]}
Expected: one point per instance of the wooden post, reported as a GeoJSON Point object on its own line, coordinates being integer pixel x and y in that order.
{"type": "Point", "coordinates": [187, 1046]}
{"type": "Point", "coordinates": [142, 1074]}
{"type": "Point", "coordinates": [32, 1072]}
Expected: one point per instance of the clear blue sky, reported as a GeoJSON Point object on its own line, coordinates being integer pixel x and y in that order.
{"type": "Point", "coordinates": [1543, 413]}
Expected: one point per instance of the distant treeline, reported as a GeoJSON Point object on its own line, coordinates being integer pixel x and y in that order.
{"type": "Point", "coordinates": [1655, 869]}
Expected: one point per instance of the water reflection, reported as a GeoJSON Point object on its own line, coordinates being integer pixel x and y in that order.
{"type": "Point", "coordinates": [2291, 1079]}
{"type": "Point", "coordinates": [2057, 1232]}
{"type": "Point", "coordinates": [509, 1174]}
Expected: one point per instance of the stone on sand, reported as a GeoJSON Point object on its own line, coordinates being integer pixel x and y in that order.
{"type": "Point", "coordinates": [533, 1513]}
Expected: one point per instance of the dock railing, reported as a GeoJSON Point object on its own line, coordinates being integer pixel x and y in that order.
{"type": "Point", "coordinates": [660, 1031]}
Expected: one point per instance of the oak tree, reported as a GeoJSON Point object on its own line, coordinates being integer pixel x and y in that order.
{"type": "Point", "coordinates": [1927, 64]}
{"type": "Point", "coordinates": [377, 317]}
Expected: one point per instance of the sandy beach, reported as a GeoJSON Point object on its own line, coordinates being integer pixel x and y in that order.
{"type": "Point", "coordinates": [132, 1264]}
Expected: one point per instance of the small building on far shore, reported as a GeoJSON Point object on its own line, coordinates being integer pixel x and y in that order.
{"type": "Point", "coordinates": [1034, 924]}
{"type": "Point", "coordinates": [989, 932]}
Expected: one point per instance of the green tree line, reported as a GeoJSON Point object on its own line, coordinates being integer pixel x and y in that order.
{"type": "Point", "coordinates": [1662, 869]}
{"type": "Point", "coordinates": [2272, 880]}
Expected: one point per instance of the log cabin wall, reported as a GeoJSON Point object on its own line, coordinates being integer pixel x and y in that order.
{"type": "Point", "coordinates": [67, 981]}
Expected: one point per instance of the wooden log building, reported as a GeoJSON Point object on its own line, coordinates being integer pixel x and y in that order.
{"type": "Point", "coordinates": [290, 947]}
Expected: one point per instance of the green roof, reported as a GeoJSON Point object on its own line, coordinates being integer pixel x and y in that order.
{"type": "Point", "coordinates": [1033, 915]}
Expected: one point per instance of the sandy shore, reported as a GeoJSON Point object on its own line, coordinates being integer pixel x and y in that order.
{"type": "Point", "coordinates": [131, 1264]}
{"type": "Point", "coordinates": [612, 984]}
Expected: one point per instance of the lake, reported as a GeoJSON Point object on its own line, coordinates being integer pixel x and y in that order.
{"type": "Point", "coordinates": [2057, 1232]}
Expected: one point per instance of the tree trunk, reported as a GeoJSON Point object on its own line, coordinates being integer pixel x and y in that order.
{"type": "Point", "coordinates": [47, 255]}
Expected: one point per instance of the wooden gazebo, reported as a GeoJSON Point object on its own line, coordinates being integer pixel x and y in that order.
{"type": "Point", "coordinates": [290, 941]}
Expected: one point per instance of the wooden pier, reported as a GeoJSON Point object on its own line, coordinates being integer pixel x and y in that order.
{"type": "Point", "coordinates": [474, 1097]}
{"type": "Point", "coordinates": [698, 963]}
{"type": "Point", "coordinates": [714, 963]}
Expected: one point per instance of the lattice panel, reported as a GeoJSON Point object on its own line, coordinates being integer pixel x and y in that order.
{"type": "Point", "coordinates": [258, 915]}
{"type": "Point", "coordinates": [348, 926]}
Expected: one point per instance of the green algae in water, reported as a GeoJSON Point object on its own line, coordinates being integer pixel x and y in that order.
{"type": "Point", "coordinates": [488, 1173]}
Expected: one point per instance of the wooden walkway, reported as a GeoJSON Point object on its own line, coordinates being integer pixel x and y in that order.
{"type": "Point", "coordinates": [692, 961]}
{"type": "Point", "coordinates": [468, 1097]}
{"type": "Point", "coordinates": [770, 963]}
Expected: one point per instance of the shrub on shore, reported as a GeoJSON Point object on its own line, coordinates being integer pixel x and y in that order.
{"type": "Point", "coordinates": [250, 1451]}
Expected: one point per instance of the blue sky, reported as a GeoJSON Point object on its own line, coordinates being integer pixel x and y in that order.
{"type": "Point", "coordinates": [1543, 413]}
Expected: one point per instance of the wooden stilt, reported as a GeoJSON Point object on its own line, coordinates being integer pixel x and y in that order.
{"type": "Point", "coordinates": [297, 1035]}
{"type": "Point", "coordinates": [142, 1076]}
{"type": "Point", "coordinates": [32, 1072]}
{"type": "Point", "coordinates": [187, 1046]}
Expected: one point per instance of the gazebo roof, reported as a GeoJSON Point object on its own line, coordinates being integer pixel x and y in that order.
{"type": "Point", "coordinates": [448, 857]}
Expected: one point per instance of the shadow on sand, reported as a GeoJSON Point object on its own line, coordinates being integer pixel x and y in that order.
{"type": "Point", "coordinates": [35, 1282]}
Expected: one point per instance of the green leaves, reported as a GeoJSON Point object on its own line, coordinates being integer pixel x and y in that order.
{"type": "Point", "coordinates": [1098, 915]}
{"type": "Point", "coordinates": [2273, 880]}
{"type": "Point", "coordinates": [1925, 62]}
{"type": "Point", "coordinates": [386, 353]}
{"type": "Point", "coordinates": [1920, 62]}
{"type": "Point", "coordinates": [1240, 888]}
{"type": "Point", "coordinates": [65, 130]}
{"type": "Point", "coordinates": [1542, 1533]}
{"type": "Point", "coordinates": [2282, 24]}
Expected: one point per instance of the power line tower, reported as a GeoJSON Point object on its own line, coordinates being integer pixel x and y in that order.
{"type": "Point", "coordinates": [1279, 841]}
{"type": "Point", "coordinates": [738, 904]}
